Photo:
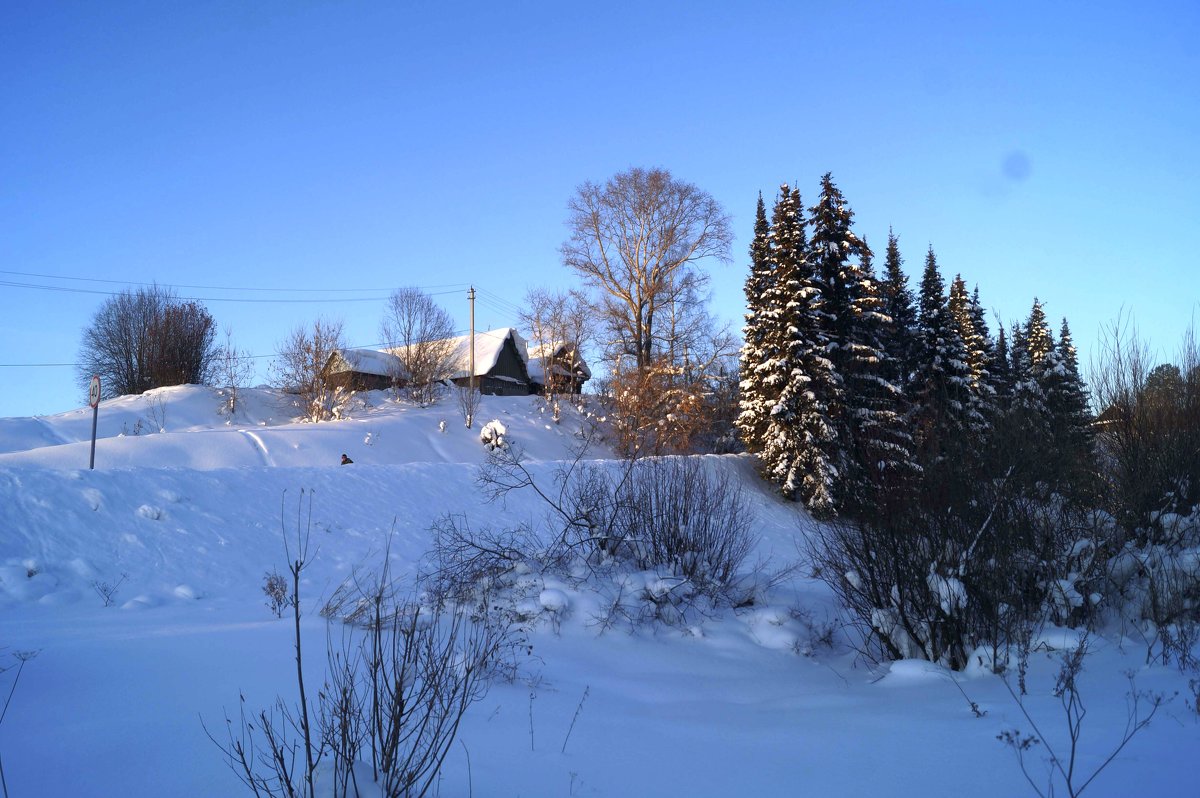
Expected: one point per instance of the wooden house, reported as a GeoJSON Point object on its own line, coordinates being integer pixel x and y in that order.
{"type": "Point", "coordinates": [502, 366]}
{"type": "Point", "coordinates": [361, 369]}
{"type": "Point", "coordinates": [500, 362]}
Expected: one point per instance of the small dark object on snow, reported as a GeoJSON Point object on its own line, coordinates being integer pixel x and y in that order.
{"type": "Point", "coordinates": [346, 460]}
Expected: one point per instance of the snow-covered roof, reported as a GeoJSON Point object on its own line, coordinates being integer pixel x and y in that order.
{"type": "Point", "coordinates": [488, 345]}
{"type": "Point", "coordinates": [366, 361]}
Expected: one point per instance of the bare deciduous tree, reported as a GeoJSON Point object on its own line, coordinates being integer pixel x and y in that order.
{"type": "Point", "coordinates": [299, 367]}
{"type": "Point", "coordinates": [146, 339]}
{"type": "Point", "coordinates": [468, 403]}
{"type": "Point", "coordinates": [233, 371]}
{"type": "Point", "coordinates": [637, 240]}
{"type": "Point", "coordinates": [559, 325]}
{"type": "Point", "coordinates": [418, 331]}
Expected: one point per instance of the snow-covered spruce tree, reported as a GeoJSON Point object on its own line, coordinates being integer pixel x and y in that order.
{"type": "Point", "coordinates": [1039, 340]}
{"type": "Point", "coordinates": [1036, 352]}
{"type": "Point", "coordinates": [1001, 371]}
{"type": "Point", "coordinates": [1005, 437]}
{"type": "Point", "coordinates": [875, 449]}
{"type": "Point", "coordinates": [1067, 417]}
{"type": "Point", "coordinates": [1024, 433]}
{"type": "Point", "coordinates": [979, 319]}
{"type": "Point", "coordinates": [966, 321]}
{"type": "Point", "coordinates": [756, 397]}
{"type": "Point", "coordinates": [958, 305]}
{"type": "Point", "coordinates": [1018, 360]}
{"type": "Point", "coordinates": [942, 386]}
{"type": "Point", "coordinates": [900, 331]}
{"type": "Point", "coordinates": [798, 451]}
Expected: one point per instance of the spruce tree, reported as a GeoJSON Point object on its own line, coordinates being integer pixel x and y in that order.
{"type": "Point", "coordinates": [1074, 406]}
{"type": "Point", "coordinates": [900, 330]}
{"type": "Point", "coordinates": [964, 318]}
{"type": "Point", "coordinates": [1001, 371]}
{"type": "Point", "coordinates": [755, 399]}
{"type": "Point", "coordinates": [987, 355]}
{"type": "Point", "coordinates": [800, 437]}
{"type": "Point", "coordinates": [1028, 442]}
{"type": "Point", "coordinates": [1018, 363]}
{"type": "Point", "coordinates": [981, 326]}
{"type": "Point", "coordinates": [874, 449]}
{"type": "Point", "coordinates": [1039, 341]}
{"type": "Point", "coordinates": [1067, 418]}
{"type": "Point", "coordinates": [942, 387]}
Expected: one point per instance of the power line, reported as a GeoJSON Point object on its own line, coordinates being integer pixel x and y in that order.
{"type": "Point", "coordinates": [219, 287]}
{"type": "Point", "coordinates": [503, 311]}
{"type": "Point", "coordinates": [66, 289]}
{"type": "Point", "coordinates": [34, 365]}
{"type": "Point", "coordinates": [510, 306]}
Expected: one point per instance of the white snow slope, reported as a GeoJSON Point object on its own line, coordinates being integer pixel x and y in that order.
{"type": "Point", "coordinates": [182, 524]}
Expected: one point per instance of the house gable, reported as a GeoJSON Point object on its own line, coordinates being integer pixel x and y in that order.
{"type": "Point", "coordinates": [500, 363]}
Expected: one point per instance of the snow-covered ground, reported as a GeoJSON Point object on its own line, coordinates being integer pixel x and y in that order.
{"type": "Point", "coordinates": [182, 524]}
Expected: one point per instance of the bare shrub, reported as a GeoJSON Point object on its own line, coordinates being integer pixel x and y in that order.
{"type": "Point", "coordinates": [107, 591]}
{"type": "Point", "coordinates": [820, 634]}
{"type": "Point", "coordinates": [398, 684]}
{"type": "Point", "coordinates": [881, 573]}
{"type": "Point", "coordinates": [1066, 767]}
{"type": "Point", "coordinates": [668, 408]}
{"type": "Point", "coordinates": [157, 410]}
{"type": "Point", "coordinates": [399, 687]}
{"type": "Point", "coordinates": [469, 565]}
{"type": "Point", "coordinates": [673, 513]}
{"type": "Point", "coordinates": [926, 586]}
{"type": "Point", "coordinates": [580, 498]}
{"type": "Point", "coordinates": [669, 514]}
{"type": "Point", "coordinates": [275, 587]}
{"type": "Point", "coordinates": [21, 657]}
{"type": "Point", "coordinates": [1159, 587]}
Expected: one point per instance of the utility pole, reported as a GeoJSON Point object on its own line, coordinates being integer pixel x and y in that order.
{"type": "Point", "coordinates": [471, 378]}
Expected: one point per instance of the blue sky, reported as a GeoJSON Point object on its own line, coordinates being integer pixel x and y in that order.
{"type": "Point", "coordinates": [348, 148]}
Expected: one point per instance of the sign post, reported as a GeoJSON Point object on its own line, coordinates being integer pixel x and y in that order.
{"type": "Point", "coordinates": [94, 401]}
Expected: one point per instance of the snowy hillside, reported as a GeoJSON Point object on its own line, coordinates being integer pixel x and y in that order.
{"type": "Point", "coordinates": [378, 431]}
{"type": "Point", "coordinates": [187, 510]}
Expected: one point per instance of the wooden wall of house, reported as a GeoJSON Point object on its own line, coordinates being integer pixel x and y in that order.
{"type": "Point", "coordinates": [491, 386]}
{"type": "Point", "coordinates": [357, 381]}
{"type": "Point", "coordinates": [510, 364]}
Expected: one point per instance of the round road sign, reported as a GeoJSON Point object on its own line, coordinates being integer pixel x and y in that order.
{"type": "Point", "coordinates": [94, 392]}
